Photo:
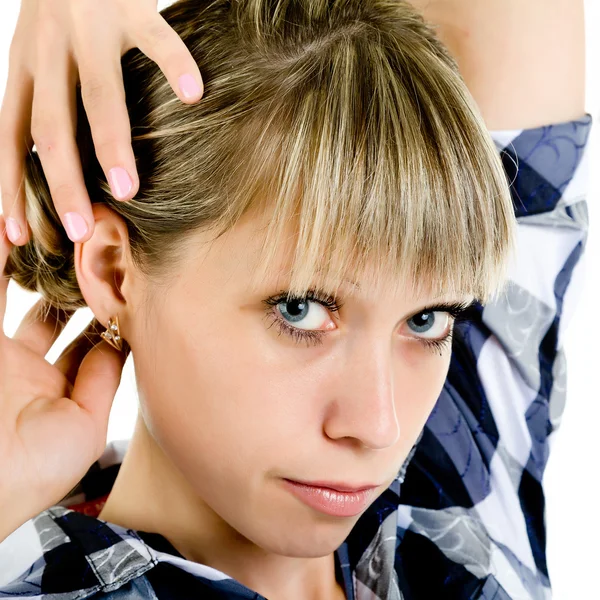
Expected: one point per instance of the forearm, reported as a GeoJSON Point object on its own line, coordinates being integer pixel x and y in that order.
{"type": "Point", "coordinates": [523, 60]}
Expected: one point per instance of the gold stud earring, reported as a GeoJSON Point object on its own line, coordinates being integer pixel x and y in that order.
{"type": "Point", "coordinates": [113, 335]}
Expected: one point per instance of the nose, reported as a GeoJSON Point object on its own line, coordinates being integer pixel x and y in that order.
{"type": "Point", "coordinates": [362, 403]}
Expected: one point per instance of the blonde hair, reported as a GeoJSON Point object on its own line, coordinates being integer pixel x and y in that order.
{"type": "Point", "coordinates": [347, 118]}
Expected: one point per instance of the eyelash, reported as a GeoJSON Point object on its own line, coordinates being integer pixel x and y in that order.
{"type": "Point", "coordinates": [458, 312]}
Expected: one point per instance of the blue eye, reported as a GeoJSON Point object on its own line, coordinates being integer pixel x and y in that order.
{"type": "Point", "coordinates": [306, 313]}
{"type": "Point", "coordinates": [426, 320]}
{"type": "Point", "coordinates": [430, 323]}
{"type": "Point", "coordinates": [294, 311]}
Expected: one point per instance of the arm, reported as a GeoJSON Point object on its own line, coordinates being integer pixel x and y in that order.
{"type": "Point", "coordinates": [523, 60]}
{"type": "Point", "coordinates": [476, 475]}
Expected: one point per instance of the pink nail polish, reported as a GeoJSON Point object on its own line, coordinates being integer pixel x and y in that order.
{"type": "Point", "coordinates": [13, 231]}
{"type": "Point", "coordinates": [120, 182]}
{"type": "Point", "coordinates": [189, 86]}
{"type": "Point", "coordinates": [75, 225]}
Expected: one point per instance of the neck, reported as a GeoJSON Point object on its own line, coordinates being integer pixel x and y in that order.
{"type": "Point", "coordinates": [200, 534]}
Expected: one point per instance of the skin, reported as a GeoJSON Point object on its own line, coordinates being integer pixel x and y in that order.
{"type": "Point", "coordinates": [57, 44]}
{"type": "Point", "coordinates": [511, 91]}
{"type": "Point", "coordinates": [242, 406]}
{"type": "Point", "coordinates": [353, 406]}
{"type": "Point", "coordinates": [506, 54]}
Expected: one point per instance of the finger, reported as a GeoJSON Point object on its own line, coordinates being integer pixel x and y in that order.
{"type": "Point", "coordinates": [15, 124]}
{"type": "Point", "coordinates": [97, 381]}
{"type": "Point", "coordinates": [161, 43]}
{"type": "Point", "coordinates": [69, 361]}
{"type": "Point", "coordinates": [5, 247]}
{"type": "Point", "coordinates": [41, 326]}
{"type": "Point", "coordinates": [103, 97]}
{"type": "Point", "coordinates": [53, 128]}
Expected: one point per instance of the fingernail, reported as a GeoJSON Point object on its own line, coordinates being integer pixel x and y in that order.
{"type": "Point", "coordinates": [75, 225]}
{"type": "Point", "coordinates": [120, 182]}
{"type": "Point", "coordinates": [13, 230]}
{"type": "Point", "coordinates": [189, 86]}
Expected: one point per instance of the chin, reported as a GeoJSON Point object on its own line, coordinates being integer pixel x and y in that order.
{"type": "Point", "coordinates": [314, 537]}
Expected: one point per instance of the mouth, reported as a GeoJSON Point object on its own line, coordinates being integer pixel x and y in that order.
{"type": "Point", "coordinates": [331, 501]}
{"type": "Point", "coordinates": [337, 487]}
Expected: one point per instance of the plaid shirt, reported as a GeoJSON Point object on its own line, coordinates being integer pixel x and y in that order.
{"type": "Point", "coordinates": [465, 517]}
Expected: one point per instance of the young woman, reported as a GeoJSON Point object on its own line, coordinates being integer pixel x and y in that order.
{"type": "Point", "coordinates": [312, 279]}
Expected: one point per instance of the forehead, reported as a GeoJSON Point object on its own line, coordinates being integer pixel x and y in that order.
{"type": "Point", "coordinates": [238, 255]}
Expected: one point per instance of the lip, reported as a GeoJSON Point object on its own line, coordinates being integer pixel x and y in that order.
{"type": "Point", "coordinates": [338, 487]}
{"type": "Point", "coordinates": [330, 501]}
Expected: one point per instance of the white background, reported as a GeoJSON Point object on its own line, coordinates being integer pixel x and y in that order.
{"type": "Point", "coordinates": [571, 482]}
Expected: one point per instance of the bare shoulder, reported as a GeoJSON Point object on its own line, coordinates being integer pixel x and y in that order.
{"type": "Point", "coordinates": [523, 60]}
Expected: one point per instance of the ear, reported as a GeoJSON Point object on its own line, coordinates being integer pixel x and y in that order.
{"type": "Point", "coordinates": [104, 269]}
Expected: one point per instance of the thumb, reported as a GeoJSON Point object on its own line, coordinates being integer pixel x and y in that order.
{"type": "Point", "coordinates": [98, 380]}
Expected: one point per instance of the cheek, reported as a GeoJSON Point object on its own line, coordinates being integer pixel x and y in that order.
{"type": "Point", "coordinates": [217, 402]}
{"type": "Point", "coordinates": [227, 404]}
{"type": "Point", "coordinates": [419, 382]}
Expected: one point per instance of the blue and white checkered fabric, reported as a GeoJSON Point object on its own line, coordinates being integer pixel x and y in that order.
{"type": "Point", "coordinates": [465, 517]}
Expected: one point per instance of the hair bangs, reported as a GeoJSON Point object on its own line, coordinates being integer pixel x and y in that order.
{"type": "Point", "coordinates": [379, 178]}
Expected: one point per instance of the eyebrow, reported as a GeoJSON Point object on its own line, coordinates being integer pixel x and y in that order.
{"type": "Point", "coordinates": [451, 307]}
{"type": "Point", "coordinates": [454, 308]}
{"type": "Point", "coordinates": [356, 285]}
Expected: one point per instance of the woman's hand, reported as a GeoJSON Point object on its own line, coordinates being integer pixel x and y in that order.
{"type": "Point", "coordinates": [56, 44]}
{"type": "Point", "coordinates": [53, 418]}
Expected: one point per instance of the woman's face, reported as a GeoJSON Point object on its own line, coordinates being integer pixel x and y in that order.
{"type": "Point", "coordinates": [238, 404]}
